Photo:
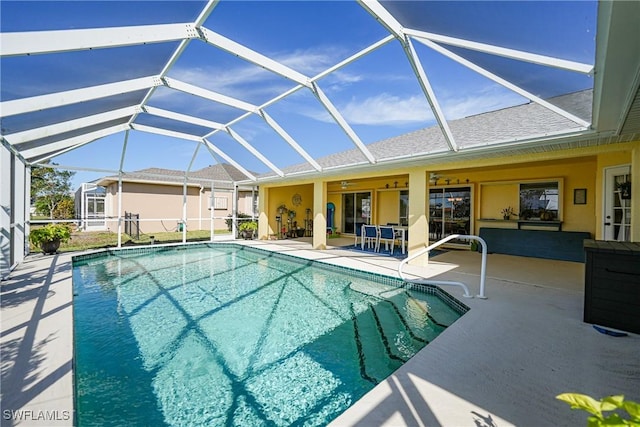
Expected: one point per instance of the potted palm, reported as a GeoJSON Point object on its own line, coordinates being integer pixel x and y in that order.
{"type": "Point", "coordinates": [49, 237]}
{"type": "Point", "coordinates": [247, 229]}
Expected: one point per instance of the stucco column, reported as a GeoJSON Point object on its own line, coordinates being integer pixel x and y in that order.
{"type": "Point", "coordinates": [319, 215]}
{"type": "Point", "coordinates": [418, 221]}
{"type": "Point", "coordinates": [263, 215]}
{"type": "Point", "coordinates": [635, 193]}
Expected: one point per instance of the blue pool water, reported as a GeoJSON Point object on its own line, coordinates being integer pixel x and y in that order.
{"type": "Point", "coordinates": [224, 335]}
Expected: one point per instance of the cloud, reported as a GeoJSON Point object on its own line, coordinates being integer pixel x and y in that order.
{"type": "Point", "coordinates": [387, 109]}
{"type": "Point", "coordinates": [250, 82]}
{"type": "Point", "coordinates": [489, 99]}
{"type": "Point", "coordinates": [392, 110]}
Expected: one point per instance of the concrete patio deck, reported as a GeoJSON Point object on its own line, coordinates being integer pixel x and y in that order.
{"type": "Point", "coordinates": [501, 364]}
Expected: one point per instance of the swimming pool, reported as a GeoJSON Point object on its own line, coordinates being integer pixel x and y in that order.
{"type": "Point", "coordinates": [222, 334]}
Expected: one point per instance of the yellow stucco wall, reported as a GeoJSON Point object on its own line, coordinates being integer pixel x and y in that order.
{"type": "Point", "coordinates": [494, 184]}
{"type": "Point", "coordinates": [284, 196]}
{"type": "Point", "coordinates": [498, 188]}
{"type": "Point", "coordinates": [388, 206]}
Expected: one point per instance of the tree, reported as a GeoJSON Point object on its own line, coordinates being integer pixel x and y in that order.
{"type": "Point", "coordinates": [49, 187]}
{"type": "Point", "coordinates": [65, 209]}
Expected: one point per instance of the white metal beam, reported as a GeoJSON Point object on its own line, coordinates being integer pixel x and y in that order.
{"type": "Point", "coordinates": [253, 151]}
{"type": "Point", "coordinates": [394, 27]}
{"type": "Point", "coordinates": [38, 42]}
{"type": "Point", "coordinates": [252, 56]}
{"type": "Point", "coordinates": [333, 111]}
{"type": "Point", "coordinates": [354, 57]}
{"type": "Point", "coordinates": [504, 52]}
{"type": "Point", "coordinates": [503, 82]}
{"type": "Point", "coordinates": [208, 94]}
{"type": "Point", "coordinates": [414, 60]}
{"type": "Point", "coordinates": [62, 127]}
{"type": "Point", "coordinates": [292, 142]}
{"type": "Point", "coordinates": [39, 159]}
{"type": "Point", "coordinates": [77, 168]}
{"type": "Point", "coordinates": [12, 150]}
{"type": "Point", "coordinates": [188, 137]}
{"type": "Point", "coordinates": [204, 14]}
{"type": "Point", "coordinates": [165, 132]}
{"type": "Point", "coordinates": [182, 117]}
{"type": "Point", "coordinates": [384, 17]}
{"type": "Point", "coordinates": [215, 150]}
{"type": "Point", "coordinates": [72, 142]}
{"type": "Point", "coordinates": [51, 100]}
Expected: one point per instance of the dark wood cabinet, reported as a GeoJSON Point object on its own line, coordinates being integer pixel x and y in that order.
{"type": "Point", "coordinates": [612, 284]}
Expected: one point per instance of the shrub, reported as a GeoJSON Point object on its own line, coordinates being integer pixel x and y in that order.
{"type": "Point", "coordinates": [50, 233]}
{"type": "Point", "coordinates": [229, 220]}
{"type": "Point", "coordinates": [248, 226]}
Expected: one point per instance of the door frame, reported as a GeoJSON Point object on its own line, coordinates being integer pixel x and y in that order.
{"type": "Point", "coordinates": [607, 197]}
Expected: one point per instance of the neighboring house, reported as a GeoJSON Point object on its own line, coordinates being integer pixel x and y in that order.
{"type": "Point", "coordinates": [90, 207]}
{"type": "Point", "coordinates": [573, 184]}
{"type": "Point", "coordinates": [155, 197]}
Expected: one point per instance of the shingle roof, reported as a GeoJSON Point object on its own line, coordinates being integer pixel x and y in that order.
{"type": "Point", "coordinates": [521, 121]}
{"type": "Point", "coordinates": [223, 174]}
{"type": "Point", "coordinates": [511, 123]}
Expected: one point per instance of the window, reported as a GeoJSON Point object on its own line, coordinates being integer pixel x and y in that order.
{"type": "Point", "coordinates": [449, 212]}
{"type": "Point", "coordinates": [404, 207]}
{"type": "Point", "coordinates": [220, 203]}
{"type": "Point", "coordinates": [539, 200]}
{"type": "Point", "coordinates": [356, 211]}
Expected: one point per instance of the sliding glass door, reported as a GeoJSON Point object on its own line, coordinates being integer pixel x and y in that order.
{"type": "Point", "coordinates": [449, 212]}
{"type": "Point", "coordinates": [356, 210]}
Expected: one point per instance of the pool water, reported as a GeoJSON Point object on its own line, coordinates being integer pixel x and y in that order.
{"type": "Point", "coordinates": [224, 335]}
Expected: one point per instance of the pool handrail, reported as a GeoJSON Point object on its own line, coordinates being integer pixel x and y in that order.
{"type": "Point", "coordinates": [483, 268]}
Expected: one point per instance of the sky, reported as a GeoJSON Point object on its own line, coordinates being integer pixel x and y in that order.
{"type": "Point", "coordinates": [378, 94]}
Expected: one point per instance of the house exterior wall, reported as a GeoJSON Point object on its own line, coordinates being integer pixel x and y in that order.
{"type": "Point", "coordinates": [494, 184]}
{"type": "Point", "coordinates": [284, 196]}
{"type": "Point", "coordinates": [161, 207]}
{"type": "Point", "coordinates": [245, 202]}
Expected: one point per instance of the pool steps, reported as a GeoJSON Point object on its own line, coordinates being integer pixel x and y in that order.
{"type": "Point", "coordinates": [377, 308]}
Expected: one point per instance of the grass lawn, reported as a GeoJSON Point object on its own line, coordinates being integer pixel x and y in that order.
{"type": "Point", "coordinates": [85, 240]}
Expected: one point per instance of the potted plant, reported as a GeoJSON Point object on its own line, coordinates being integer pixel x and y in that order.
{"type": "Point", "coordinates": [247, 229]}
{"type": "Point", "coordinates": [49, 237]}
{"type": "Point", "coordinates": [507, 213]}
{"type": "Point", "coordinates": [546, 215]}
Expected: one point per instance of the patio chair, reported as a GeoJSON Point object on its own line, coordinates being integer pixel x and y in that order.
{"type": "Point", "coordinates": [359, 234]}
{"type": "Point", "coordinates": [386, 235]}
{"type": "Point", "coordinates": [369, 236]}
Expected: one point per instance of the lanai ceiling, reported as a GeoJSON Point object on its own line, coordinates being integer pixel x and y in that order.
{"type": "Point", "coordinates": [267, 85]}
